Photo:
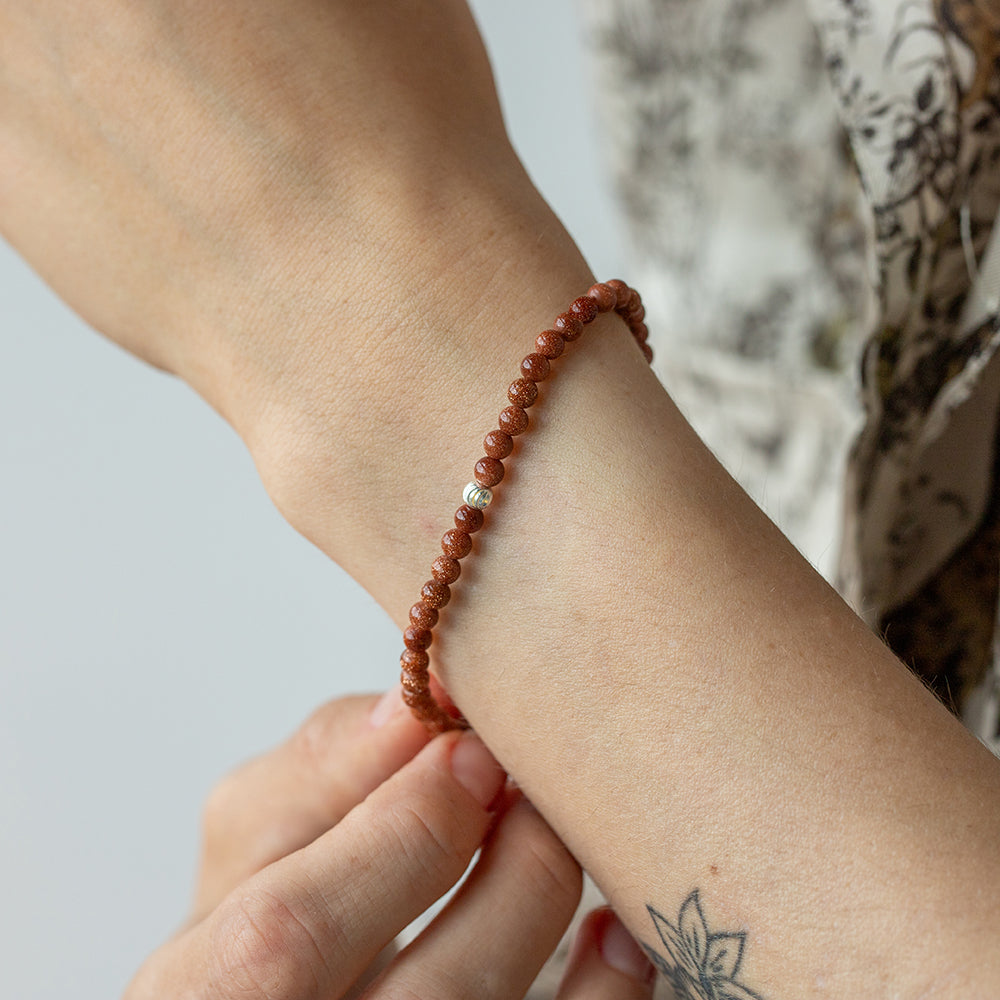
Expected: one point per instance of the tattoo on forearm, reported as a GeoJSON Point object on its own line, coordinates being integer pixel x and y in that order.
{"type": "Point", "coordinates": [700, 965]}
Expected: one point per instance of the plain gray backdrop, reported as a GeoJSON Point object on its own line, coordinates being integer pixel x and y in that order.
{"type": "Point", "coordinates": [159, 622]}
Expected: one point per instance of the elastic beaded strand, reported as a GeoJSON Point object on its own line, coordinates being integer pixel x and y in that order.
{"type": "Point", "coordinates": [456, 543]}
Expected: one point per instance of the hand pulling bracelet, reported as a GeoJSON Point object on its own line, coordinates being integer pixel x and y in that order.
{"type": "Point", "coordinates": [457, 542]}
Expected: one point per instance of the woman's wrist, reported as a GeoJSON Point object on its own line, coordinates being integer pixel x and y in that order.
{"type": "Point", "coordinates": [365, 411]}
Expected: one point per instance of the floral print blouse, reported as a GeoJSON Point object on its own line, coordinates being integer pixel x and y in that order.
{"type": "Point", "coordinates": [810, 190]}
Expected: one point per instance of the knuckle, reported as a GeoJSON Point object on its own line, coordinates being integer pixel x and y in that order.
{"type": "Point", "coordinates": [260, 947]}
{"type": "Point", "coordinates": [312, 740]}
{"type": "Point", "coordinates": [434, 842]}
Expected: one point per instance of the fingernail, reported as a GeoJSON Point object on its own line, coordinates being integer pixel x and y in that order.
{"type": "Point", "coordinates": [476, 770]}
{"type": "Point", "coordinates": [387, 707]}
{"type": "Point", "coordinates": [620, 950]}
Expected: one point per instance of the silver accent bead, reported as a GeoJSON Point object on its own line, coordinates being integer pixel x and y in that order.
{"type": "Point", "coordinates": [477, 496]}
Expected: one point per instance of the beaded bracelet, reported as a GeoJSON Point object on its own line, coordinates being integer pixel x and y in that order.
{"type": "Point", "coordinates": [456, 543]}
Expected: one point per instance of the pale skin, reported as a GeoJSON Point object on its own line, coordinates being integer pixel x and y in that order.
{"type": "Point", "coordinates": [317, 854]}
{"type": "Point", "coordinates": [310, 212]}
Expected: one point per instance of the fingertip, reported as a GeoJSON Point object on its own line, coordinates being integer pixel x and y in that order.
{"type": "Point", "coordinates": [620, 950]}
{"type": "Point", "coordinates": [388, 708]}
{"type": "Point", "coordinates": [603, 943]}
{"type": "Point", "coordinates": [585, 942]}
{"type": "Point", "coordinates": [476, 770]}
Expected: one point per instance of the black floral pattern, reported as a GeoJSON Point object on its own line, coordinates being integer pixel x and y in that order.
{"type": "Point", "coordinates": [924, 123]}
{"type": "Point", "coordinates": [699, 964]}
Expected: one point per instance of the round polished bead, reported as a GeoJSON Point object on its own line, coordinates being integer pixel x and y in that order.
{"type": "Point", "coordinates": [535, 367]}
{"type": "Point", "coordinates": [415, 693]}
{"type": "Point", "coordinates": [456, 543]}
{"type": "Point", "coordinates": [569, 326]}
{"type": "Point", "coordinates": [513, 420]}
{"type": "Point", "coordinates": [585, 308]}
{"type": "Point", "coordinates": [636, 315]}
{"type": "Point", "coordinates": [421, 702]}
{"type": "Point", "coordinates": [414, 661]}
{"type": "Point", "coordinates": [417, 638]}
{"type": "Point", "coordinates": [497, 444]}
{"type": "Point", "coordinates": [435, 593]}
{"type": "Point", "coordinates": [523, 391]}
{"type": "Point", "coordinates": [423, 615]}
{"type": "Point", "coordinates": [489, 471]}
{"type": "Point", "coordinates": [477, 496]}
{"type": "Point", "coordinates": [647, 352]}
{"type": "Point", "coordinates": [641, 332]}
{"type": "Point", "coordinates": [416, 690]}
{"type": "Point", "coordinates": [621, 290]}
{"type": "Point", "coordinates": [633, 303]}
{"type": "Point", "coordinates": [468, 519]}
{"type": "Point", "coordinates": [444, 569]}
{"type": "Point", "coordinates": [604, 295]}
{"type": "Point", "coordinates": [550, 343]}
{"type": "Point", "coordinates": [414, 683]}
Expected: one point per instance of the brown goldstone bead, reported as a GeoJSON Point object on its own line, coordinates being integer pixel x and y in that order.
{"type": "Point", "coordinates": [444, 569]}
{"type": "Point", "coordinates": [513, 420]}
{"type": "Point", "coordinates": [456, 543]}
{"type": "Point", "coordinates": [585, 308]}
{"type": "Point", "coordinates": [523, 391]}
{"type": "Point", "coordinates": [435, 593]}
{"type": "Point", "coordinates": [633, 303]}
{"type": "Point", "coordinates": [647, 352]}
{"type": "Point", "coordinates": [641, 332]}
{"type": "Point", "coordinates": [604, 295]}
{"type": "Point", "coordinates": [414, 661]}
{"type": "Point", "coordinates": [569, 326]}
{"type": "Point", "coordinates": [414, 684]}
{"type": "Point", "coordinates": [425, 708]}
{"type": "Point", "coordinates": [417, 694]}
{"type": "Point", "coordinates": [550, 343]}
{"type": "Point", "coordinates": [622, 291]}
{"type": "Point", "coordinates": [417, 638]}
{"type": "Point", "coordinates": [489, 471]}
{"type": "Point", "coordinates": [498, 445]}
{"type": "Point", "coordinates": [536, 367]}
{"type": "Point", "coordinates": [467, 518]}
{"type": "Point", "coordinates": [423, 615]}
{"type": "Point", "coordinates": [636, 315]}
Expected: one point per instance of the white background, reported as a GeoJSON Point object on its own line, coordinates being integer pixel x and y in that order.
{"type": "Point", "coordinates": [159, 622]}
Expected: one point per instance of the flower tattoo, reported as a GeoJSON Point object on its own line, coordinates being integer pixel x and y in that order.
{"type": "Point", "coordinates": [699, 965]}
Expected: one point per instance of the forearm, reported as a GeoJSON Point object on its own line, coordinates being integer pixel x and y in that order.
{"type": "Point", "coordinates": [348, 263]}
{"type": "Point", "coordinates": [681, 695]}
{"type": "Point", "coordinates": [695, 709]}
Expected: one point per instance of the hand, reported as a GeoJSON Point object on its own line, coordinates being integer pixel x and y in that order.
{"type": "Point", "coordinates": [317, 855]}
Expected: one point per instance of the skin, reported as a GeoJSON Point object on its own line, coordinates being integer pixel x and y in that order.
{"type": "Point", "coordinates": [311, 213]}
{"type": "Point", "coordinates": [317, 854]}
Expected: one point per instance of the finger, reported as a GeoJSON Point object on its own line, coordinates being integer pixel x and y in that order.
{"type": "Point", "coordinates": [606, 962]}
{"type": "Point", "coordinates": [309, 924]}
{"type": "Point", "coordinates": [494, 936]}
{"type": "Point", "coordinates": [278, 803]}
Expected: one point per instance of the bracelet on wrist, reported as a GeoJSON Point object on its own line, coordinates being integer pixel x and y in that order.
{"type": "Point", "coordinates": [456, 543]}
